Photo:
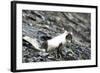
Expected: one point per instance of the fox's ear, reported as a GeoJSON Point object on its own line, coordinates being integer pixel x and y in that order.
{"type": "Point", "coordinates": [71, 33]}
{"type": "Point", "coordinates": [65, 32]}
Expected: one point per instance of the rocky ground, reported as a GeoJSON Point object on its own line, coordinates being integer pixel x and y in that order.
{"type": "Point", "coordinates": [38, 23]}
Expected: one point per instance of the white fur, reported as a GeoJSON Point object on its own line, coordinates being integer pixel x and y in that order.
{"type": "Point", "coordinates": [33, 42]}
{"type": "Point", "coordinates": [53, 43]}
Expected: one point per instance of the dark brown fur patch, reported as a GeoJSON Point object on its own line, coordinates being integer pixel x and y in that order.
{"type": "Point", "coordinates": [45, 45]}
{"type": "Point", "coordinates": [69, 37]}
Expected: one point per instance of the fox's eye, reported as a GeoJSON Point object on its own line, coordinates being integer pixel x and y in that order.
{"type": "Point", "coordinates": [69, 37]}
